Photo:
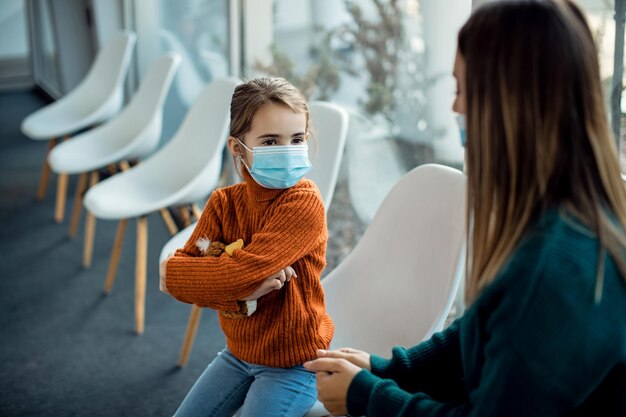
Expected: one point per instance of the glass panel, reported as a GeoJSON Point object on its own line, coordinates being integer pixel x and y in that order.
{"type": "Point", "coordinates": [45, 50]}
{"type": "Point", "coordinates": [602, 15]}
{"type": "Point", "coordinates": [389, 63]}
{"type": "Point", "coordinates": [198, 31]}
{"type": "Point", "coordinates": [14, 50]}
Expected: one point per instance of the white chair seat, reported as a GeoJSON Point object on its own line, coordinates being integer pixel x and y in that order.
{"type": "Point", "coordinates": [122, 138]}
{"type": "Point", "coordinates": [134, 193]}
{"type": "Point", "coordinates": [317, 410]}
{"type": "Point", "coordinates": [97, 98]}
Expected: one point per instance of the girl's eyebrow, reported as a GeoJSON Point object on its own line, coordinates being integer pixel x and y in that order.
{"type": "Point", "coordinates": [268, 135]}
{"type": "Point", "coordinates": [276, 135]}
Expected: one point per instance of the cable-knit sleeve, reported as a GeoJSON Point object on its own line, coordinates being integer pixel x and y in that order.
{"type": "Point", "coordinates": [296, 223]}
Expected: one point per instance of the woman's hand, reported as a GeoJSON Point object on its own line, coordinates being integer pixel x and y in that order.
{"type": "Point", "coordinates": [357, 357]}
{"type": "Point", "coordinates": [334, 377]}
{"type": "Point", "coordinates": [275, 282]}
{"type": "Point", "coordinates": [162, 272]}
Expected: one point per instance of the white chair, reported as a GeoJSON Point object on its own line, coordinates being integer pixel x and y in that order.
{"type": "Point", "coordinates": [195, 153]}
{"type": "Point", "coordinates": [133, 134]}
{"type": "Point", "coordinates": [398, 284]}
{"type": "Point", "coordinates": [98, 97]}
{"type": "Point", "coordinates": [330, 123]}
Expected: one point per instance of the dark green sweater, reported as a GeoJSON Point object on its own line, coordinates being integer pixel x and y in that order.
{"type": "Point", "coordinates": [535, 343]}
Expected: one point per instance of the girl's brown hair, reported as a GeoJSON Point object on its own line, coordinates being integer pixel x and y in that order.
{"type": "Point", "coordinates": [250, 96]}
{"type": "Point", "coordinates": [538, 135]}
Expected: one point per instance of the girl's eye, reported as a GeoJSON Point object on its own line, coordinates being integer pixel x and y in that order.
{"type": "Point", "coordinates": [269, 142]}
{"type": "Point", "coordinates": [297, 140]}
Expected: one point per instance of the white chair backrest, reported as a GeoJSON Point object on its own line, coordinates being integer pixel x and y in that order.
{"type": "Point", "coordinates": [144, 114]}
{"type": "Point", "coordinates": [98, 97]}
{"type": "Point", "coordinates": [397, 286]}
{"type": "Point", "coordinates": [186, 169]}
{"type": "Point", "coordinates": [194, 154]}
{"type": "Point", "coordinates": [109, 68]}
{"type": "Point", "coordinates": [154, 86]}
{"type": "Point", "coordinates": [330, 129]}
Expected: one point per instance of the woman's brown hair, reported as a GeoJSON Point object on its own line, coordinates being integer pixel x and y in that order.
{"type": "Point", "coordinates": [538, 135]}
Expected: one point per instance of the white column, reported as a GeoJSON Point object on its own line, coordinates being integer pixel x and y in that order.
{"type": "Point", "coordinates": [258, 32]}
{"type": "Point", "coordinates": [329, 13]}
{"type": "Point", "coordinates": [442, 21]}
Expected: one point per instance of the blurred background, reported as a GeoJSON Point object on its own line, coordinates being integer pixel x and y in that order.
{"type": "Point", "coordinates": [387, 62]}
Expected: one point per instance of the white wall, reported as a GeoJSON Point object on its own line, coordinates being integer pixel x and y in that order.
{"type": "Point", "coordinates": [258, 32]}
{"type": "Point", "coordinates": [476, 3]}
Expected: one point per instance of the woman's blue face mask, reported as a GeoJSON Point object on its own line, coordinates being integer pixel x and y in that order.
{"type": "Point", "coordinates": [278, 167]}
{"type": "Point", "coordinates": [460, 120]}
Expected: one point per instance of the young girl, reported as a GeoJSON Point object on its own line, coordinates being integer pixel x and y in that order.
{"type": "Point", "coordinates": [281, 219]}
{"type": "Point", "coordinates": [545, 334]}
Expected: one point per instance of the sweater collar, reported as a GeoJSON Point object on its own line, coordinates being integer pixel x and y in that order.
{"type": "Point", "coordinates": [255, 191]}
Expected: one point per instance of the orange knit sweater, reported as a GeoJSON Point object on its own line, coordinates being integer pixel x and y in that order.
{"type": "Point", "coordinates": [280, 228]}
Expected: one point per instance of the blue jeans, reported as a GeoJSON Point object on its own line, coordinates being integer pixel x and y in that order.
{"type": "Point", "coordinates": [229, 384]}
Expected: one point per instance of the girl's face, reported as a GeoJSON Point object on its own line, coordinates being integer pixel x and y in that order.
{"type": "Point", "coordinates": [273, 124]}
{"type": "Point", "coordinates": [459, 103]}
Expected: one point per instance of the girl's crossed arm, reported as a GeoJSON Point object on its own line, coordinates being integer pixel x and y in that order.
{"type": "Point", "coordinates": [297, 225]}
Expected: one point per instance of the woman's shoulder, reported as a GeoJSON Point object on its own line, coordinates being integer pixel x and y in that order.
{"type": "Point", "coordinates": [558, 260]}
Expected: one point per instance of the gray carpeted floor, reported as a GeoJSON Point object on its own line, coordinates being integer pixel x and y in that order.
{"type": "Point", "coordinates": [65, 348]}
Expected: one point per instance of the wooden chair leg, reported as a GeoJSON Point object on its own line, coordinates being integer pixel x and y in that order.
{"type": "Point", "coordinates": [115, 256]}
{"type": "Point", "coordinates": [197, 212]}
{"type": "Point", "coordinates": [78, 203]}
{"type": "Point", "coordinates": [59, 212]}
{"type": "Point", "coordinates": [124, 165]}
{"type": "Point", "coordinates": [169, 222]}
{"type": "Point", "coordinates": [184, 215]}
{"type": "Point", "coordinates": [90, 227]}
{"type": "Point", "coordinates": [45, 172]}
{"type": "Point", "coordinates": [111, 169]}
{"type": "Point", "coordinates": [190, 335]}
{"type": "Point", "coordinates": [140, 273]}
{"type": "Point", "coordinates": [62, 180]}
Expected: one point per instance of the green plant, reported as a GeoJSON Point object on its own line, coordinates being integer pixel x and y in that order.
{"type": "Point", "coordinates": [379, 42]}
{"type": "Point", "coordinates": [321, 79]}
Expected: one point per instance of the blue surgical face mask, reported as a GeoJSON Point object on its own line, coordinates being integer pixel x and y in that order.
{"type": "Point", "coordinates": [460, 120]}
{"type": "Point", "coordinates": [278, 167]}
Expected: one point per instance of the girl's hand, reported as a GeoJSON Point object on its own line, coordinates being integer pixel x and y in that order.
{"type": "Point", "coordinates": [334, 377]}
{"type": "Point", "coordinates": [357, 357]}
{"type": "Point", "coordinates": [275, 282]}
{"type": "Point", "coordinates": [162, 271]}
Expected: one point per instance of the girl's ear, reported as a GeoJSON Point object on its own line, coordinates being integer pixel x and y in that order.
{"type": "Point", "coordinates": [234, 147]}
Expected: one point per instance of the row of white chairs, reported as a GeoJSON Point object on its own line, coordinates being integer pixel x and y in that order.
{"type": "Point", "coordinates": [181, 173]}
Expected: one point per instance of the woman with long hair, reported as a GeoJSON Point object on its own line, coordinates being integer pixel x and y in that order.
{"type": "Point", "coordinates": [545, 331]}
